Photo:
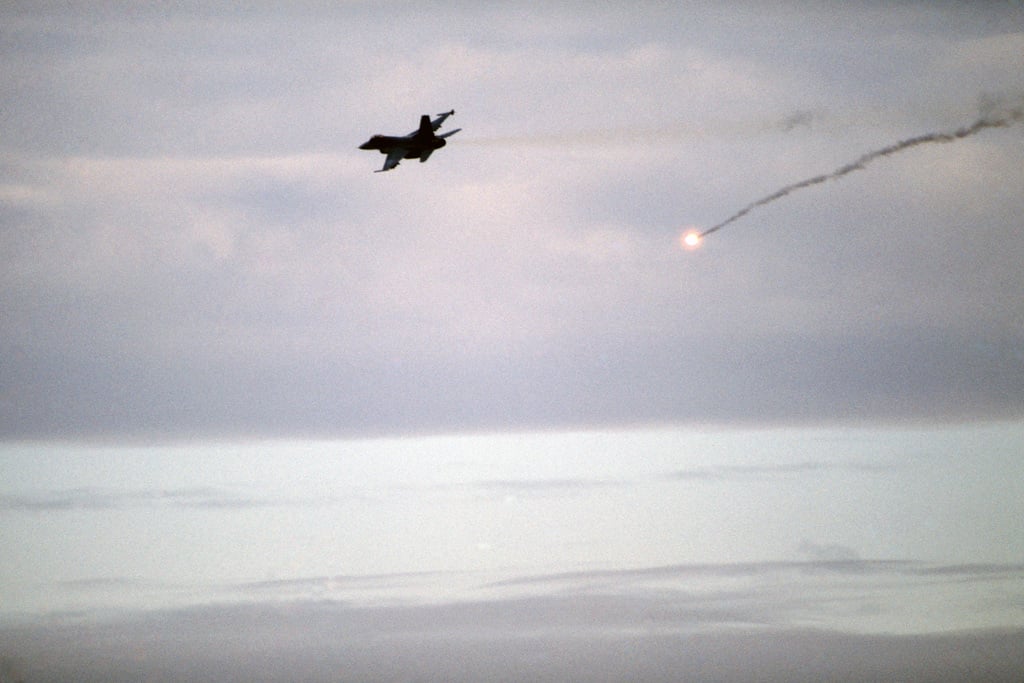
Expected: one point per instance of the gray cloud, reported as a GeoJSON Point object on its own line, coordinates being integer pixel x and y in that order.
{"type": "Point", "coordinates": [827, 552]}
{"type": "Point", "coordinates": [626, 577]}
{"type": "Point", "coordinates": [319, 583]}
{"type": "Point", "coordinates": [544, 487]}
{"type": "Point", "coordinates": [784, 379]}
{"type": "Point", "coordinates": [759, 472]}
{"type": "Point", "coordinates": [100, 499]}
{"type": "Point", "coordinates": [620, 630]}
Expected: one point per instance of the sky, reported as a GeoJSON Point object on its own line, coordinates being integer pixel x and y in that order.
{"type": "Point", "coordinates": [268, 415]}
{"type": "Point", "coordinates": [193, 246]}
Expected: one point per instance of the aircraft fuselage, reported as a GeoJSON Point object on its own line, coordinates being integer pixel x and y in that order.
{"type": "Point", "coordinates": [414, 145]}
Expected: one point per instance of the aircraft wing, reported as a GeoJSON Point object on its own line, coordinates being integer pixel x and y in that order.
{"type": "Point", "coordinates": [395, 155]}
{"type": "Point", "coordinates": [436, 123]}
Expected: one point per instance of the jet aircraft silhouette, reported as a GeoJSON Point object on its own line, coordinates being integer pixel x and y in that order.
{"type": "Point", "coordinates": [419, 144]}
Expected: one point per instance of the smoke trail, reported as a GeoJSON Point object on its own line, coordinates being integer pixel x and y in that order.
{"type": "Point", "coordinates": [989, 121]}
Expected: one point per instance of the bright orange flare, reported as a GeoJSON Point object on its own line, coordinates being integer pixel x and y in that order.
{"type": "Point", "coordinates": [691, 240]}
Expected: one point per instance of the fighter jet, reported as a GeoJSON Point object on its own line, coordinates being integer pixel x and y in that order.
{"type": "Point", "coordinates": [419, 144]}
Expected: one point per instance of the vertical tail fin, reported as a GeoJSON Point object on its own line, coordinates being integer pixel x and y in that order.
{"type": "Point", "coordinates": [425, 128]}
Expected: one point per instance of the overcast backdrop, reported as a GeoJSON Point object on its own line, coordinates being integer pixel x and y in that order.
{"type": "Point", "coordinates": [192, 244]}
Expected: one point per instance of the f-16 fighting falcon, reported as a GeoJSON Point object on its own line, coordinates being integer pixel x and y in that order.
{"type": "Point", "coordinates": [419, 144]}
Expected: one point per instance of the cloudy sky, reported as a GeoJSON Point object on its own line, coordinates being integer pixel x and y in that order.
{"type": "Point", "coordinates": [629, 459]}
{"type": "Point", "coordinates": [193, 245]}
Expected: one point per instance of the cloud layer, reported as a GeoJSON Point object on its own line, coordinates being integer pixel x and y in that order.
{"type": "Point", "coordinates": [584, 626]}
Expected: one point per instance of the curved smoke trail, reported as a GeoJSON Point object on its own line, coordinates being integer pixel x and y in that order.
{"type": "Point", "coordinates": [991, 121]}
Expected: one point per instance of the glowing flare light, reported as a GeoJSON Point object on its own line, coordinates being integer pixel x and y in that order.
{"type": "Point", "coordinates": [691, 239]}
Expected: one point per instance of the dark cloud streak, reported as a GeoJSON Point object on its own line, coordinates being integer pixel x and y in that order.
{"type": "Point", "coordinates": [760, 472]}
{"type": "Point", "coordinates": [97, 499]}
